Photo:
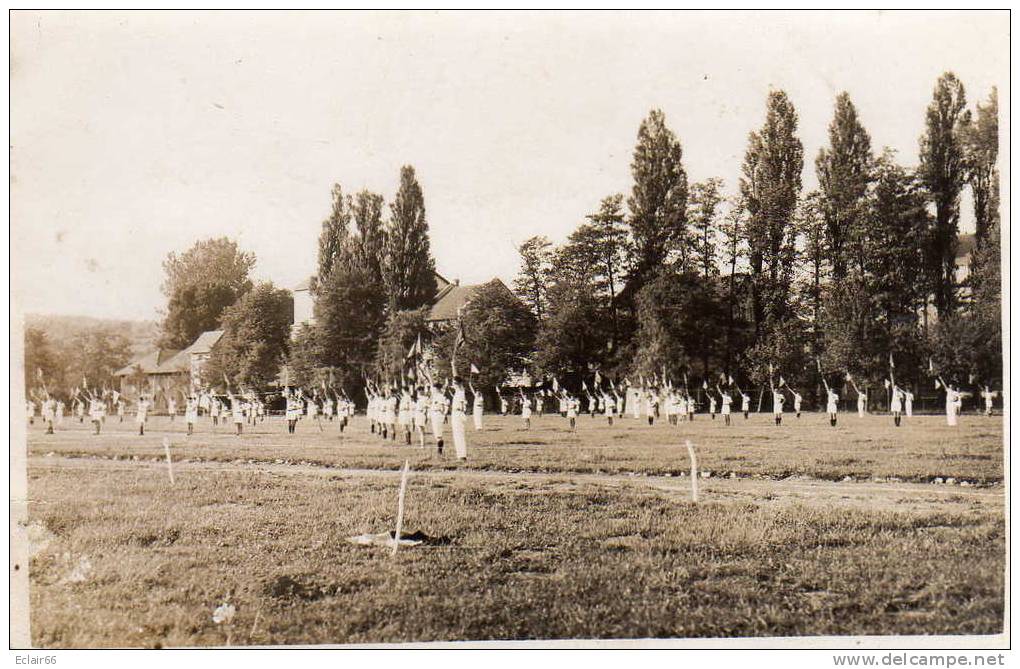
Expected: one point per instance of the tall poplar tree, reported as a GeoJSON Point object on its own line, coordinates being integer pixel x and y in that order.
{"type": "Point", "coordinates": [409, 271]}
{"type": "Point", "coordinates": [844, 170]}
{"type": "Point", "coordinates": [658, 202]}
{"type": "Point", "coordinates": [942, 170]}
{"type": "Point", "coordinates": [769, 187]}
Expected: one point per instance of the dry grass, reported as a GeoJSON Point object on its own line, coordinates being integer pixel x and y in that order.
{"type": "Point", "coordinates": [511, 558]}
{"type": "Point", "coordinates": [923, 449]}
{"type": "Point", "coordinates": [124, 559]}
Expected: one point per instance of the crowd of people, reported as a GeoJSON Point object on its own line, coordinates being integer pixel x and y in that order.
{"type": "Point", "coordinates": [418, 412]}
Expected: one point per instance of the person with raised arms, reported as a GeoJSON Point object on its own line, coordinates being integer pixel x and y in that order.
{"type": "Point", "coordinates": [727, 400]}
{"type": "Point", "coordinates": [778, 399]}
{"type": "Point", "coordinates": [477, 407]}
{"type": "Point", "coordinates": [525, 409]}
{"type": "Point", "coordinates": [988, 395]}
{"type": "Point", "coordinates": [831, 403]}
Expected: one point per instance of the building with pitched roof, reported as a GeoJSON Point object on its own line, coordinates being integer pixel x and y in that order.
{"type": "Point", "coordinates": [451, 297]}
{"type": "Point", "coordinates": [163, 373]}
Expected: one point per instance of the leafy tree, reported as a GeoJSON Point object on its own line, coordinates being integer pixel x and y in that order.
{"type": "Point", "coordinates": [781, 350]}
{"type": "Point", "coordinates": [610, 246]}
{"type": "Point", "coordinates": [335, 232]}
{"type": "Point", "coordinates": [409, 271]}
{"type": "Point", "coordinates": [255, 338]}
{"type": "Point", "coordinates": [43, 366]}
{"type": "Point", "coordinates": [92, 356]}
{"type": "Point", "coordinates": [815, 268]}
{"type": "Point", "coordinates": [349, 315]}
{"type": "Point", "coordinates": [199, 285]}
{"type": "Point", "coordinates": [734, 252]}
{"type": "Point", "coordinates": [769, 188]}
{"type": "Point", "coordinates": [942, 170]}
{"type": "Point", "coordinates": [304, 355]}
{"type": "Point", "coordinates": [968, 345]}
{"type": "Point", "coordinates": [499, 336]}
{"type": "Point", "coordinates": [898, 221]}
{"type": "Point", "coordinates": [366, 249]}
{"type": "Point", "coordinates": [532, 281]}
{"type": "Point", "coordinates": [658, 202]}
{"type": "Point", "coordinates": [981, 146]}
{"type": "Point", "coordinates": [705, 198]}
{"type": "Point", "coordinates": [402, 330]}
{"type": "Point", "coordinates": [844, 171]}
{"type": "Point", "coordinates": [679, 317]}
{"type": "Point", "coordinates": [573, 339]}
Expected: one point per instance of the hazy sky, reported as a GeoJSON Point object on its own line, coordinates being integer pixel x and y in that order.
{"type": "Point", "coordinates": [136, 134]}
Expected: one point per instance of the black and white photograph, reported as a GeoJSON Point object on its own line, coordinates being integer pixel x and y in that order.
{"type": "Point", "coordinates": [420, 329]}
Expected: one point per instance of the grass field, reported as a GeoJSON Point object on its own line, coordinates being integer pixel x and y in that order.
{"type": "Point", "coordinates": [924, 449]}
{"type": "Point", "coordinates": [541, 535]}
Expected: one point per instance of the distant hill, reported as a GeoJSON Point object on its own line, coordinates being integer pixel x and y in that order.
{"type": "Point", "coordinates": [61, 329]}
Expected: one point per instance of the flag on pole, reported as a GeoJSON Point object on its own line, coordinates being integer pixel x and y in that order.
{"type": "Point", "coordinates": [474, 370]}
{"type": "Point", "coordinates": [937, 384]}
{"type": "Point", "coordinates": [415, 349]}
{"type": "Point", "coordinates": [782, 381]}
{"type": "Point", "coordinates": [704, 384]}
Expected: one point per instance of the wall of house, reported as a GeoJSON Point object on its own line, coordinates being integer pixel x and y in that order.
{"type": "Point", "coordinates": [303, 307]}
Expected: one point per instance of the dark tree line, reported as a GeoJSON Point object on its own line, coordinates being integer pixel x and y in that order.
{"type": "Point", "coordinates": [686, 282]}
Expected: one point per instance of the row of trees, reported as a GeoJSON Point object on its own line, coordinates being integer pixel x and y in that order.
{"type": "Point", "coordinates": [376, 279]}
{"type": "Point", "coordinates": [676, 279]}
{"type": "Point", "coordinates": [89, 357]}
{"type": "Point", "coordinates": [687, 281]}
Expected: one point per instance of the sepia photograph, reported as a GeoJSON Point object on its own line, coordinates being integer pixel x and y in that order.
{"type": "Point", "coordinates": [510, 329]}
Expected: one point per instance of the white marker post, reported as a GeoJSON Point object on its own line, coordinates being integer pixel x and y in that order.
{"type": "Point", "coordinates": [400, 506]}
{"type": "Point", "coordinates": [169, 460]}
{"type": "Point", "coordinates": [694, 471]}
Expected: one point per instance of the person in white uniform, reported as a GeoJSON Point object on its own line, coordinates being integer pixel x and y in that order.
{"type": "Point", "coordinates": [437, 406]}
{"type": "Point", "coordinates": [831, 403]}
{"type": "Point", "coordinates": [142, 414]}
{"type": "Point", "coordinates": [477, 407]}
{"type": "Point", "coordinates": [727, 401]}
{"type": "Point", "coordinates": [191, 413]}
{"type": "Point", "coordinates": [988, 395]}
{"type": "Point", "coordinates": [458, 419]}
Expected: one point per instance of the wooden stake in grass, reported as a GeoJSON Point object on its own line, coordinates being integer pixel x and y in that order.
{"type": "Point", "coordinates": [169, 460]}
{"type": "Point", "coordinates": [400, 506]}
{"type": "Point", "coordinates": [694, 471]}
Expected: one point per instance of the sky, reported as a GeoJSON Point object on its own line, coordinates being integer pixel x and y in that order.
{"type": "Point", "coordinates": [137, 134]}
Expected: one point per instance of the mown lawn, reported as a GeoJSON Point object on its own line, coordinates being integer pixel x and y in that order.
{"type": "Point", "coordinates": [124, 559]}
{"type": "Point", "coordinates": [924, 449]}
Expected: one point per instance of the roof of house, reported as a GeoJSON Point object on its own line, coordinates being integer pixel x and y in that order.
{"type": "Point", "coordinates": [450, 300]}
{"type": "Point", "coordinates": [965, 244]}
{"type": "Point", "coordinates": [454, 297]}
{"type": "Point", "coordinates": [148, 363]}
{"type": "Point", "coordinates": [205, 341]}
{"type": "Point", "coordinates": [181, 363]}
